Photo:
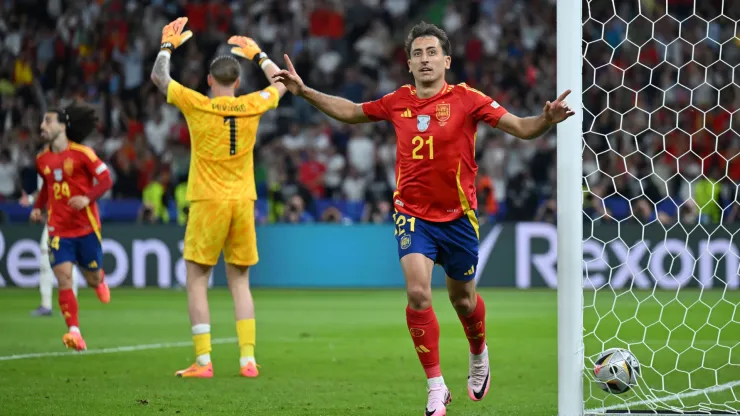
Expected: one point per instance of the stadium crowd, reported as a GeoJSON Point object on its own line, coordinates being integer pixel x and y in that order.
{"type": "Point", "coordinates": [310, 168]}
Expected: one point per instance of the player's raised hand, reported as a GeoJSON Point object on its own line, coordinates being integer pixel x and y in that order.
{"type": "Point", "coordinates": [173, 36]}
{"type": "Point", "coordinates": [78, 202]}
{"type": "Point", "coordinates": [36, 215]}
{"type": "Point", "coordinates": [245, 47]}
{"type": "Point", "coordinates": [290, 78]}
{"type": "Point", "coordinates": [558, 110]}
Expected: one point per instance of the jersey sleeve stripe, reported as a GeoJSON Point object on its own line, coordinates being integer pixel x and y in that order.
{"type": "Point", "coordinates": [85, 150]}
{"type": "Point", "coordinates": [464, 85]}
{"type": "Point", "coordinates": [466, 204]}
{"type": "Point", "coordinates": [93, 223]}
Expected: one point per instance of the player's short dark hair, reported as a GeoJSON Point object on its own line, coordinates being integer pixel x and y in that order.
{"type": "Point", "coordinates": [79, 119]}
{"type": "Point", "coordinates": [225, 70]}
{"type": "Point", "coordinates": [424, 29]}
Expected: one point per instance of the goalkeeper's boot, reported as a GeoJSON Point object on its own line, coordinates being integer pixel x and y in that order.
{"type": "Point", "coordinates": [479, 375]}
{"type": "Point", "coordinates": [250, 370]}
{"type": "Point", "coordinates": [102, 291]}
{"type": "Point", "coordinates": [196, 371]}
{"type": "Point", "coordinates": [73, 339]}
{"type": "Point", "coordinates": [439, 398]}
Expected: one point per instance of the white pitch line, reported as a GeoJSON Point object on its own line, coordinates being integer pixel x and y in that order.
{"type": "Point", "coordinates": [714, 389]}
{"type": "Point", "coordinates": [113, 350]}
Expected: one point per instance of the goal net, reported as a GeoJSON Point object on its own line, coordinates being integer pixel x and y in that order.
{"type": "Point", "coordinates": [661, 168]}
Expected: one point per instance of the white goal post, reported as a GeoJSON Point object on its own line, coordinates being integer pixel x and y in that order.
{"type": "Point", "coordinates": [569, 220]}
{"type": "Point", "coordinates": [648, 203]}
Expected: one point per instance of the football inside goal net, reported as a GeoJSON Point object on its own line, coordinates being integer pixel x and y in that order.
{"type": "Point", "coordinates": [660, 146]}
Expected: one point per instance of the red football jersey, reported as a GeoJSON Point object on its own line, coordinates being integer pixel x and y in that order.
{"type": "Point", "coordinates": [66, 174]}
{"type": "Point", "coordinates": [435, 151]}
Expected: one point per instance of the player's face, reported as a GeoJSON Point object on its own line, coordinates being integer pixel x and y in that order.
{"type": "Point", "coordinates": [50, 127]}
{"type": "Point", "coordinates": [428, 61]}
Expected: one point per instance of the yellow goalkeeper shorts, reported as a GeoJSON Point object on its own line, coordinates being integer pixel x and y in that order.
{"type": "Point", "coordinates": [214, 226]}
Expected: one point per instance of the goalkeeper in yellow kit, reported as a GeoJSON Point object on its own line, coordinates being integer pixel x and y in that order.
{"type": "Point", "coordinates": [221, 187]}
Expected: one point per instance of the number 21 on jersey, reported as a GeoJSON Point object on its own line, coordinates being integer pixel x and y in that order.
{"type": "Point", "coordinates": [419, 144]}
{"type": "Point", "coordinates": [401, 222]}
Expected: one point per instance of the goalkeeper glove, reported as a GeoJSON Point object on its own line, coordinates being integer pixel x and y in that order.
{"type": "Point", "coordinates": [173, 36]}
{"type": "Point", "coordinates": [247, 48]}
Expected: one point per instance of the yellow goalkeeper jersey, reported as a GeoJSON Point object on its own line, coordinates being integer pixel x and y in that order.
{"type": "Point", "coordinates": [223, 131]}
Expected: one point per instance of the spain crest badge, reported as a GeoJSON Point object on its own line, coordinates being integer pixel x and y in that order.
{"type": "Point", "coordinates": [443, 113]}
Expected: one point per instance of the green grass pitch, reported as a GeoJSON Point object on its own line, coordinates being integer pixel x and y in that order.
{"type": "Point", "coordinates": [321, 353]}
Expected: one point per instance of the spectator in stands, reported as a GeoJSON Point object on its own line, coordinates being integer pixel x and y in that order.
{"type": "Point", "coordinates": [707, 192]}
{"type": "Point", "coordinates": [378, 196]}
{"type": "Point", "coordinates": [486, 192]}
{"type": "Point", "coordinates": [294, 140]}
{"type": "Point", "coordinates": [361, 151]}
{"type": "Point", "coordinates": [522, 199]}
{"type": "Point", "coordinates": [335, 166]}
{"type": "Point", "coordinates": [8, 176]}
{"type": "Point", "coordinates": [284, 191]}
{"type": "Point", "coordinates": [295, 211]}
{"type": "Point", "coordinates": [353, 188]}
{"type": "Point", "coordinates": [155, 200]}
{"type": "Point", "coordinates": [157, 131]}
{"type": "Point", "coordinates": [311, 173]}
{"type": "Point", "coordinates": [332, 215]}
{"type": "Point", "coordinates": [125, 186]}
{"type": "Point", "coordinates": [183, 205]}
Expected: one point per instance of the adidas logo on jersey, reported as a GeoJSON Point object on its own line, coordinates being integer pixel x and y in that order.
{"type": "Point", "coordinates": [406, 114]}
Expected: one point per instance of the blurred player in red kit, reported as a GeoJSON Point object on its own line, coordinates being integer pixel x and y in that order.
{"type": "Point", "coordinates": [435, 200]}
{"type": "Point", "coordinates": [74, 178]}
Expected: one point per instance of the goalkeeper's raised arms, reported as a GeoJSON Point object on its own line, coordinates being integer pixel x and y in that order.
{"type": "Point", "coordinates": [247, 48]}
{"type": "Point", "coordinates": [173, 36]}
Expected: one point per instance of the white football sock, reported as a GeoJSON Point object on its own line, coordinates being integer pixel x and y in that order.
{"type": "Point", "coordinates": [481, 355]}
{"type": "Point", "coordinates": [246, 360]}
{"type": "Point", "coordinates": [435, 381]}
{"type": "Point", "coordinates": [46, 280]}
{"type": "Point", "coordinates": [75, 279]}
{"type": "Point", "coordinates": [203, 359]}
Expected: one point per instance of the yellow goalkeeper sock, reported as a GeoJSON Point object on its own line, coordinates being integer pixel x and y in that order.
{"type": "Point", "coordinates": [202, 343]}
{"type": "Point", "coordinates": [246, 332]}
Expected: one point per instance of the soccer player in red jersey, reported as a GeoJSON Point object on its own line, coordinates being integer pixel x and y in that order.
{"type": "Point", "coordinates": [74, 178]}
{"type": "Point", "coordinates": [436, 209]}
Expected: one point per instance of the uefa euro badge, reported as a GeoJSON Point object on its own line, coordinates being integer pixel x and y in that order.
{"type": "Point", "coordinates": [58, 175]}
{"type": "Point", "coordinates": [422, 122]}
{"type": "Point", "coordinates": [405, 241]}
{"type": "Point", "coordinates": [443, 113]}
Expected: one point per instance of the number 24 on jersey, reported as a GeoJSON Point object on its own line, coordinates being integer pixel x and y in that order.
{"type": "Point", "coordinates": [61, 190]}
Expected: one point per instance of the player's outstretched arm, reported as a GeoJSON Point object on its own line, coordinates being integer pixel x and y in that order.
{"type": "Point", "coordinates": [247, 48]}
{"type": "Point", "coordinates": [172, 38]}
{"type": "Point", "coordinates": [528, 128]}
{"type": "Point", "coordinates": [39, 204]}
{"type": "Point", "coordinates": [335, 107]}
